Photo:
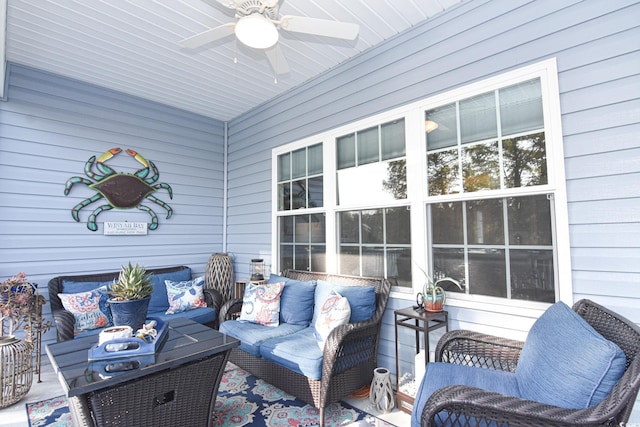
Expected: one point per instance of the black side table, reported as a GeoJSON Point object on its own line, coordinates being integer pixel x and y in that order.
{"type": "Point", "coordinates": [420, 321]}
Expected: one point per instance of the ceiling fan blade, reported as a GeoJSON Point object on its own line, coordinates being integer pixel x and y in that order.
{"type": "Point", "coordinates": [208, 36]}
{"type": "Point", "coordinates": [277, 60]}
{"type": "Point", "coordinates": [231, 4]}
{"type": "Point", "coordinates": [320, 27]}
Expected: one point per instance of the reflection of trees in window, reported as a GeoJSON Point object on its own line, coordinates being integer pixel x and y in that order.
{"type": "Point", "coordinates": [443, 172]}
{"type": "Point", "coordinates": [396, 183]}
{"type": "Point", "coordinates": [480, 165]}
{"type": "Point", "coordinates": [525, 161]}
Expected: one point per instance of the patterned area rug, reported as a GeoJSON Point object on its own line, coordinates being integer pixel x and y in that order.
{"type": "Point", "coordinates": [243, 400]}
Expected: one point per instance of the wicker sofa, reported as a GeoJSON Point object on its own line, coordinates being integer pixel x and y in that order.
{"type": "Point", "coordinates": [571, 353]}
{"type": "Point", "coordinates": [65, 321]}
{"type": "Point", "coordinates": [350, 351]}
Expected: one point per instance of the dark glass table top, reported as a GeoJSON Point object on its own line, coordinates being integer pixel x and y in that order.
{"type": "Point", "coordinates": [185, 341]}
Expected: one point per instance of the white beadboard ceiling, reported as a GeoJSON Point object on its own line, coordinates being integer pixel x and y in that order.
{"type": "Point", "coordinates": [132, 46]}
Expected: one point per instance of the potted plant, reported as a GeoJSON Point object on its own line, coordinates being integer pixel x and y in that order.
{"type": "Point", "coordinates": [130, 296]}
{"type": "Point", "coordinates": [20, 308]}
{"type": "Point", "coordinates": [434, 296]}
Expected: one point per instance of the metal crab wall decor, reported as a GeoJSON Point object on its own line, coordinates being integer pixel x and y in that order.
{"type": "Point", "coordinates": [120, 190]}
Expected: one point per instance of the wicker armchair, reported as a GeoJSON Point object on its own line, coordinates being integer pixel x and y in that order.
{"type": "Point", "coordinates": [64, 320]}
{"type": "Point", "coordinates": [459, 405]}
{"type": "Point", "coordinates": [350, 352]}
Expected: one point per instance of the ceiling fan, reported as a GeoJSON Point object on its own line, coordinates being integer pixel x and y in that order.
{"type": "Point", "coordinates": [257, 24]}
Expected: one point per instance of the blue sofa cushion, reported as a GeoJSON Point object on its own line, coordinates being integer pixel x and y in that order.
{"type": "Point", "coordinates": [297, 352]}
{"type": "Point", "coordinates": [440, 375]}
{"type": "Point", "coordinates": [296, 302]}
{"type": "Point", "coordinates": [362, 299]}
{"type": "Point", "coordinates": [202, 315]}
{"type": "Point", "coordinates": [71, 287]}
{"type": "Point", "coordinates": [251, 335]}
{"type": "Point", "coordinates": [159, 298]}
{"type": "Point", "coordinates": [566, 363]}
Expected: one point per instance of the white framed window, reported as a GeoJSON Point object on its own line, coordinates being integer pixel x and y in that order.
{"type": "Point", "coordinates": [468, 184]}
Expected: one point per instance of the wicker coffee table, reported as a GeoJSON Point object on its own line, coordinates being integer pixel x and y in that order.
{"type": "Point", "coordinates": [176, 386]}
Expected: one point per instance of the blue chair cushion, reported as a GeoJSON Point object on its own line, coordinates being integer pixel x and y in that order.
{"type": "Point", "coordinates": [296, 302]}
{"type": "Point", "coordinates": [440, 375]}
{"type": "Point", "coordinates": [251, 335]}
{"type": "Point", "coordinates": [362, 299]}
{"type": "Point", "coordinates": [159, 298]}
{"type": "Point", "coordinates": [298, 352]}
{"type": "Point", "coordinates": [566, 363]}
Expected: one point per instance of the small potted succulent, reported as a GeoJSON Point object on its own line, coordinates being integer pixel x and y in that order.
{"type": "Point", "coordinates": [434, 296]}
{"type": "Point", "coordinates": [130, 296]}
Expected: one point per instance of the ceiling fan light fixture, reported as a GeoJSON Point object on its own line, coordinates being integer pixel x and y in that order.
{"type": "Point", "coordinates": [256, 31]}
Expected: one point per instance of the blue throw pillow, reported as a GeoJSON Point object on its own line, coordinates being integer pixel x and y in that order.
{"type": "Point", "coordinates": [566, 363]}
{"type": "Point", "coordinates": [296, 302]}
{"type": "Point", "coordinates": [362, 299]}
{"type": "Point", "coordinates": [159, 299]}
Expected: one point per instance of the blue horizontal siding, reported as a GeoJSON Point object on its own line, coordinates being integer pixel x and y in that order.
{"type": "Point", "coordinates": [49, 127]}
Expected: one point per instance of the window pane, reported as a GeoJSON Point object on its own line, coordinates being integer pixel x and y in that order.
{"type": "Point", "coordinates": [446, 133]}
{"type": "Point", "coordinates": [299, 163]}
{"type": "Point", "coordinates": [299, 194]}
{"type": "Point", "coordinates": [443, 173]}
{"type": "Point", "coordinates": [286, 257]}
{"type": "Point", "coordinates": [315, 159]}
{"type": "Point", "coordinates": [399, 267]}
{"type": "Point", "coordinates": [368, 150]}
{"type": "Point", "coordinates": [301, 257]}
{"type": "Point", "coordinates": [302, 230]}
{"type": "Point", "coordinates": [318, 234]}
{"type": "Point", "coordinates": [349, 227]}
{"type": "Point", "coordinates": [449, 262]}
{"type": "Point", "coordinates": [393, 144]}
{"type": "Point", "coordinates": [380, 181]}
{"type": "Point", "coordinates": [286, 229]}
{"type": "Point", "coordinates": [521, 107]}
{"type": "Point", "coordinates": [350, 260]}
{"type": "Point", "coordinates": [487, 272]}
{"type": "Point", "coordinates": [478, 119]}
{"type": "Point", "coordinates": [318, 258]}
{"type": "Point", "coordinates": [373, 261]}
{"type": "Point", "coordinates": [396, 182]}
{"type": "Point", "coordinates": [485, 224]}
{"type": "Point", "coordinates": [529, 220]}
{"type": "Point", "coordinates": [346, 147]}
{"type": "Point", "coordinates": [532, 275]}
{"type": "Point", "coordinates": [316, 192]}
{"type": "Point", "coordinates": [398, 225]}
{"type": "Point", "coordinates": [481, 167]}
{"type": "Point", "coordinates": [372, 228]}
{"type": "Point", "coordinates": [284, 167]}
{"type": "Point", "coordinates": [284, 197]}
{"type": "Point", "coordinates": [525, 161]}
{"type": "Point", "coordinates": [447, 226]}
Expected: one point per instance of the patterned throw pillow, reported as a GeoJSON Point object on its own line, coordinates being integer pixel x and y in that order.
{"type": "Point", "coordinates": [90, 309]}
{"type": "Point", "coordinates": [185, 295]}
{"type": "Point", "coordinates": [335, 311]}
{"type": "Point", "coordinates": [261, 303]}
